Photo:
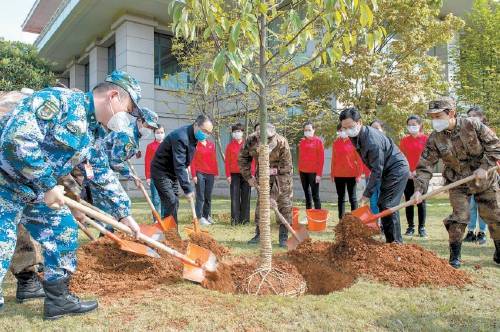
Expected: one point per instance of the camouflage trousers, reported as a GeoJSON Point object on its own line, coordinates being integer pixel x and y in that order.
{"type": "Point", "coordinates": [488, 202]}
{"type": "Point", "coordinates": [28, 254]}
{"type": "Point", "coordinates": [281, 192]}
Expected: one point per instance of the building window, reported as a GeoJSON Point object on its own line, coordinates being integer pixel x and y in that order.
{"type": "Point", "coordinates": [111, 58]}
{"type": "Point", "coordinates": [87, 78]}
{"type": "Point", "coordinates": [168, 73]}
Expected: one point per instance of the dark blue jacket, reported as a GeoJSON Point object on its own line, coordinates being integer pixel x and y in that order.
{"type": "Point", "coordinates": [174, 155]}
{"type": "Point", "coordinates": [380, 155]}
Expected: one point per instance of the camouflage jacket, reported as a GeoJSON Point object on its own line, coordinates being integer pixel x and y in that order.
{"type": "Point", "coordinates": [469, 146]}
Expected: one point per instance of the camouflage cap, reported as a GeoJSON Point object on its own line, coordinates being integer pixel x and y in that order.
{"type": "Point", "coordinates": [150, 117]}
{"type": "Point", "coordinates": [129, 84]}
{"type": "Point", "coordinates": [441, 104]}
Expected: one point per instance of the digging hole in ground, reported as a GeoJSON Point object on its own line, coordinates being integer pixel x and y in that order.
{"type": "Point", "coordinates": [324, 267]}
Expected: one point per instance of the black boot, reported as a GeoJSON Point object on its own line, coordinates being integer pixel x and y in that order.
{"type": "Point", "coordinates": [28, 287]}
{"type": "Point", "coordinates": [496, 256]}
{"type": "Point", "coordinates": [60, 302]}
{"type": "Point", "coordinates": [455, 249]}
{"type": "Point", "coordinates": [256, 238]}
{"type": "Point", "coordinates": [470, 237]}
{"type": "Point", "coordinates": [283, 236]}
{"type": "Point", "coordinates": [410, 231]}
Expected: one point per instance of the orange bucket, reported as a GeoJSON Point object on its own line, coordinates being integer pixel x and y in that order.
{"type": "Point", "coordinates": [316, 219]}
{"type": "Point", "coordinates": [295, 218]}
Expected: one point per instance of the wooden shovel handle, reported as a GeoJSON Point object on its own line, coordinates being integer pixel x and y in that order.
{"type": "Point", "coordinates": [102, 229]}
{"type": "Point", "coordinates": [196, 226]}
{"type": "Point", "coordinates": [432, 193]}
{"type": "Point", "coordinates": [284, 222]}
{"type": "Point", "coordinates": [117, 225]}
{"type": "Point", "coordinates": [85, 230]}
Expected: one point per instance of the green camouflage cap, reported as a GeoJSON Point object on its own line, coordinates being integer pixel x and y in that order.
{"type": "Point", "coordinates": [129, 84]}
{"type": "Point", "coordinates": [150, 117]}
{"type": "Point", "coordinates": [441, 104]}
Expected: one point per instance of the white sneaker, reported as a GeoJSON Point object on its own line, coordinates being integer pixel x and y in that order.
{"type": "Point", "coordinates": [204, 222]}
{"type": "Point", "coordinates": [210, 220]}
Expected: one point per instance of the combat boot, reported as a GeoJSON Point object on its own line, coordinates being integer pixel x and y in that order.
{"type": "Point", "coordinates": [496, 256]}
{"type": "Point", "coordinates": [60, 302]}
{"type": "Point", "coordinates": [256, 238]}
{"type": "Point", "coordinates": [283, 236]}
{"type": "Point", "coordinates": [470, 237]}
{"type": "Point", "coordinates": [455, 249]}
{"type": "Point", "coordinates": [28, 287]}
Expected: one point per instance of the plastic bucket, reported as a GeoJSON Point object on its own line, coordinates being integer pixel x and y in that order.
{"type": "Point", "coordinates": [295, 218]}
{"type": "Point", "coordinates": [316, 219]}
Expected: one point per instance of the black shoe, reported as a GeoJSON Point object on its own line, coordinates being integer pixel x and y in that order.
{"type": "Point", "coordinates": [422, 232]}
{"type": "Point", "coordinates": [496, 256]}
{"type": "Point", "coordinates": [455, 249]}
{"type": "Point", "coordinates": [254, 240]}
{"type": "Point", "coordinates": [481, 238]}
{"type": "Point", "coordinates": [60, 302]}
{"type": "Point", "coordinates": [410, 231]}
{"type": "Point", "coordinates": [470, 237]}
{"type": "Point", "coordinates": [28, 287]}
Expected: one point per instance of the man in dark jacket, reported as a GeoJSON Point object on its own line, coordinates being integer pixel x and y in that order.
{"type": "Point", "coordinates": [387, 164]}
{"type": "Point", "coordinates": [173, 157]}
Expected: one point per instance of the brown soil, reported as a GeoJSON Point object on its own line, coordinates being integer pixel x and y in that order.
{"type": "Point", "coordinates": [206, 241]}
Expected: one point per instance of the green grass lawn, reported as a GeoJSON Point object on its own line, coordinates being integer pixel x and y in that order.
{"type": "Point", "coordinates": [364, 306]}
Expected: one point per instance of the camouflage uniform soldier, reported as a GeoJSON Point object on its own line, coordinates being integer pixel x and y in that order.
{"type": "Point", "coordinates": [44, 138]}
{"type": "Point", "coordinates": [281, 168]}
{"type": "Point", "coordinates": [466, 147]}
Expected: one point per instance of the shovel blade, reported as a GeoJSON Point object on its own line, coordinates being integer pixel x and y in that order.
{"type": "Point", "coordinates": [301, 234]}
{"type": "Point", "coordinates": [168, 223]}
{"type": "Point", "coordinates": [137, 248]}
{"type": "Point", "coordinates": [292, 243]}
{"type": "Point", "coordinates": [153, 231]}
{"type": "Point", "coordinates": [206, 260]}
{"type": "Point", "coordinates": [366, 216]}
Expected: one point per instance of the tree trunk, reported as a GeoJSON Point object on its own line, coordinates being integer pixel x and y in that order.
{"type": "Point", "coordinates": [264, 214]}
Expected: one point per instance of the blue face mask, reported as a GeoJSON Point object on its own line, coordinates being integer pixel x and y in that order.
{"type": "Point", "coordinates": [200, 135]}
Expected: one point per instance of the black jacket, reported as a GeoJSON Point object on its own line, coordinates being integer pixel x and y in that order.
{"type": "Point", "coordinates": [174, 155]}
{"type": "Point", "coordinates": [380, 155]}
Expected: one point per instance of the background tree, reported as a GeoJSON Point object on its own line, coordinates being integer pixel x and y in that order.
{"type": "Point", "coordinates": [253, 38]}
{"type": "Point", "coordinates": [395, 76]}
{"type": "Point", "coordinates": [478, 58]}
{"type": "Point", "coordinates": [22, 67]}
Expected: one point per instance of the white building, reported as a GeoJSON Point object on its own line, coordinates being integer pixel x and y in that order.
{"type": "Point", "coordinates": [87, 39]}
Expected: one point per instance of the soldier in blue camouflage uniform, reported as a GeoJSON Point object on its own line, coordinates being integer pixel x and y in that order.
{"type": "Point", "coordinates": [44, 138]}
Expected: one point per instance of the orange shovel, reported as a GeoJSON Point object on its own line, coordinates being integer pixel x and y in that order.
{"type": "Point", "coordinates": [161, 225]}
{"type": "Point", "coordinates": [196, 224]}
{"type": "Point", "coordinates": [369, 219]}
{"type": "Point", "coordinates": [197, 262]}
{"type": "Point", "coordinates": [133, 247]}
{"type": "Point", "coordinates": [298, 236]}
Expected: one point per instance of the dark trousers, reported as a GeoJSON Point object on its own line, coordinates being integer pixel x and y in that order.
{"type": "Point", "coordinates": [204, 188]}
{"type": "Point", "coordinates": [421, 208]}
{"type": "Point", "coordinates": [341, 184]}
{"type": "Point", "coordinates": [391, 191]}
{"type": "Point", "coordinates": [168, 190]}
{"type": "Point", "coordinates": [240, 199]}
{"type": "Point", "coordinates": [309, 185]}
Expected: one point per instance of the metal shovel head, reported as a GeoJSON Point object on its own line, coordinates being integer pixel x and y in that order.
{"type": "Point", "coordinates": [302, 235]}
{"type": "Point", "coordinates": [168, 223]}
{"type": "Point", "coordinates": [206, 262]}
{"type": "Point", "coordinates": [366, 216]}
{"type": "Point", "coordinates": [137, 248]}
{"type": "Point", "coordinates": [153, 231]}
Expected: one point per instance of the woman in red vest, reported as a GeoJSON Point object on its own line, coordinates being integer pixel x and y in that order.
{"type": "Point", "coordinates": [204, 169]}
{"type": "Point", "coordinates": [311, 160]}
{"type": "Point", "coordinates": [239, 188]}
{"type": "Point", "coordinates": [150, 153]}
{"type": "Point", "coordinates": [412, 147]}
{"type": "Point", "coordinates": [346, 170]}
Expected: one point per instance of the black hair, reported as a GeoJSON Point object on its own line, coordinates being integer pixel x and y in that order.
{"type": "Point", "coordinates": [350, 113]}
{"type": "Point", "coordinates": [379, 122]}
{"type": "Point", "coordinates": [236, 127]}
{"type": "Point", "coordinates": [201, 119]}
{"type": "Point", "coordinates": [159, 127]}
{"type": "Point", "coordinates": [308, 123]}
{"type": "Point", "coordinates": [414, 117]}
{"type": "Point", "coordinates": [339, 126]}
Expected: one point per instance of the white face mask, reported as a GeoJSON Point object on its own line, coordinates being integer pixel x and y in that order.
{"type": "Point", "coordinates": [118, 122]}
{"type": "Point", "coordinates": [308, 133]}
{"type": "Point", "coordinates": [159, 137]}
{"type": "Point", "coordinates": [145, 132]}
{"type": "Point", "coordinates": [354, 131]}
{"type": "Point", "coordinates": [440, 124]}
{"type": "Point", "coordinates": [237, 135]}
{"type": "Point", "coordinates": [342, 134]}
{"type": "Point", "coordinates": [413, 129]}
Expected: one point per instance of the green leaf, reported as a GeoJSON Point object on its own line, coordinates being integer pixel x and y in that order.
{"type": "Point", "coordinates": [347, 44]}
{"type": "Point", "coordinates": [366, 15]}
{"type": "Point", "coordinates": [218, 67]}
{"type": "Point", "coordinates": [338, 17]}
{"type": "Point", "coordinates": [263, 8]}
{"type": "Point", "coordinates": [370, 41]}
{"type": "Point", "coordinates": [234, 36]}
{"type": "Point", "coordinates": [291, 48]}
{"type": "Point", "coordinates": [306, 72]}
{"type": "Point", "coordinates": [177, 14]}
{"type": "Point", "coordinates": [207, 33]}
{"type": "Point", "coordinates": [337, 52]}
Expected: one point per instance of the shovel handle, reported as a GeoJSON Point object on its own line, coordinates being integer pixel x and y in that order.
{"type": "Point", "coordinates": [431, 194]}
{"type": "Point", "coordinates": [117, 225]}
{"type": "Point", "coordinates": [85, 230]}
{"type": "Point", "coordinates": [284, 222]}
{"type": "Point", "coordinates": [193, 211]}
{"type": "Point", "coordinates": [103, 230]}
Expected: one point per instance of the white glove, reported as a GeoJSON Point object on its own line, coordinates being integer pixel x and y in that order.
{"type": "Point", "coordinates": [54, 198]}
{"type": "Point", "coordinates": [417, 196]}
{"type": "Point", "coordinates": [132, 224]}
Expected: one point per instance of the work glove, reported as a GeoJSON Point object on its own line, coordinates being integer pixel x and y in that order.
{"type": "Point", "coordinates": [132, 224]}
{"type": "Point", "coordinates": [54, 198]}
{"type": "Point", "coordinates": [417, 196]}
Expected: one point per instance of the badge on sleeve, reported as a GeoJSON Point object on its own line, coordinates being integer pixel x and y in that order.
{"type": "Point", "coordinates": [47, 110]}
